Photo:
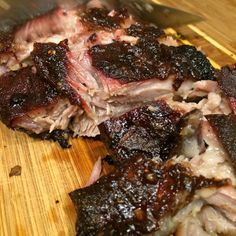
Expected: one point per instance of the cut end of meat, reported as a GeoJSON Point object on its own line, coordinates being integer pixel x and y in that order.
{"type": "Point", "coordinates": [57, 21]}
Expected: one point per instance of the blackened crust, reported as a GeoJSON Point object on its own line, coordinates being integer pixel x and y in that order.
{"type": "Point", "coordinates": [225, 129]}
{"type": "Point", "coordinates": [6, 41]}
{"type": "Point", "coordinates": [148, 59]}
{"type": "Point", "coordinates": [151, 130]}
{"type": "Point", "coordinates": [145, 31]}
{"type": "Point", "coordinates": [135, 198]}
{"type": "Point", "coordinates": [23, 91]}
{"type": "Point", "coordinates": [60, 136]}
{"type": "Point", "coordinates": [51, 62]}
{"type": "Point", "coordinates": [99, 18]}
{"type": "Point", "coordinates": [226, 78]}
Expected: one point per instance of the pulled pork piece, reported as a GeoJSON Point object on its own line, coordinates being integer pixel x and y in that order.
{"type": "Point", "coordinates": [211, 213]}
{"type": "Point", "coordinates": [226, 78]}
{"type": "Point", "coordinates": [150, 130]}
{"type": "Point", "coordinates": [190, 142]}
{"type": "Point", "coordinates": [101, 64]}
{"type": "Point", "coordinates": [225, 129]}
{"type": "Point", "coordinates": [137, 198]}
{"type": "Point", "coordinates": [201, 146]}
{"type": "Point", "coordinates": [29, 103]}
{"type": "Point", "coordinates": [53, 26]}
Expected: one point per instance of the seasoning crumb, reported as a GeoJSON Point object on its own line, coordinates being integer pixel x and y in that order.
{"type": "Point", "coordinates": [15, 171]}
{"type": "Point", "coordinates": [57, 201]}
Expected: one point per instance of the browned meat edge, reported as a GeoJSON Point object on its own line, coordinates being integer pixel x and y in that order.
{"type": "Point", "coordinates": [99, 18]}
{"type": "Point", "coordinates": [225, 129]}
{"type": "Point", "coordinates": [23, 91]}
{"type": "Point", "coordinates": [226, 78]}
{"type": "Point", "coordinates": [150, 130]}
{"type": "Point", "coordinates": [135, 198]}
{"type": "Point", "coordinates": [148, 59]}
{"type": "Point", "coordinates": [51, 62]}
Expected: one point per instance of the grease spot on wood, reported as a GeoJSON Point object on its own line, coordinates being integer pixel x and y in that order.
{"type": "Point", "coordinates": [20, 230]}
{"type": "Point", "coordinates": [69, 210]}
{"type": "Point", "coordinates": [53, 215]}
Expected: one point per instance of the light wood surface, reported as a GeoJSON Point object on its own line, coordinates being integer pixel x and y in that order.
{"type": "Point", "coordinates": [37, 202]}
{"type": "Point", "coordinates": [219, 17]}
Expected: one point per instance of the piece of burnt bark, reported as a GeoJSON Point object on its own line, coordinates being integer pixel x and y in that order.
{"type": "Point", "coordinates": [225, 129]}
{"type": "Point", "coordinates": [144, 30]}
{"type": "Point", "coordinates": [51, 62]}
{"type": "Point", "coordinates": [226, 78]}
{"type": "Point", "coordinates": [151, 130]}
{"type": "Point", "coordinates": [136, 198]}
{"type": "Point", "coordinates": [99, 18]}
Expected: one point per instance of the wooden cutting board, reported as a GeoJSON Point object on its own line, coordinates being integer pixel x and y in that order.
{"type": "Point", "coordinates": [37, 201]}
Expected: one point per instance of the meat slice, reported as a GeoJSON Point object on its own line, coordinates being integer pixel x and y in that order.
{"type": "Point", "coordinates": [59, 21]}
{"type": "Point", "coordinates": [23, 91]}
{"type": "Point", "coordinates": [29, 103]}
{"type": "Point", "coordinates": [137, 198]}
{"type": "Point", "coordinates": [151, 130]}
{"type": "Point", "coordinates": [149, 59]}
{"type": "Point", "coordinates": [225, 129]}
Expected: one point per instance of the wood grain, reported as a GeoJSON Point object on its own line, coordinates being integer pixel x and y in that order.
{"type": "Point", "coordinates": [37, 202]}
{"type": "Point", "coordinates": [220, 18]}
